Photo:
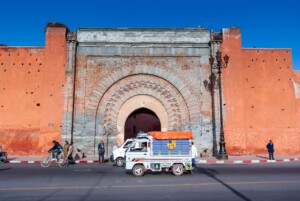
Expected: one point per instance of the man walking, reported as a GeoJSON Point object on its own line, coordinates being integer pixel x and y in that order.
{"type": "Point", "coordinates": [194, 154]}
{"type": "Point", "coordinates": [270, 147]}
{"type": "Point", "coordinates": [101, 151]}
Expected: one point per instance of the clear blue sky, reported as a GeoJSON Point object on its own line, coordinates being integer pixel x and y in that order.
{"type": "Point", "coordinates": [264, 23]}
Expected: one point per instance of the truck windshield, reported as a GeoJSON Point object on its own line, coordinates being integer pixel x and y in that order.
{"type": "Point", "coordinates": [127, 144]}
{"type": "Point", "coordinates": [139, 146]}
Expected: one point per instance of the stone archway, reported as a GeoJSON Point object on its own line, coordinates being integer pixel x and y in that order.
{"type": "Point", "coordinates": [175, 81]}
{"type": "Point", "coordinates": [170, 89]}
{"type": "Point", "coordinates": [133, 104]}
{"type": "Point", "coordinates": [169, 97]}
{"type": "Point", "coordinates": [141, 119]}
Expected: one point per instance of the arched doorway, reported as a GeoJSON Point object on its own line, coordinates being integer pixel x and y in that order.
{"type": "Point", "coordinates": [141, 120]}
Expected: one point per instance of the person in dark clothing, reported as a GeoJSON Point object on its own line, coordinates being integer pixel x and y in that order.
{"type": "Point", "coordinates": [270, 147]}
{"type": "Point", "coordinates": [57, 148]}
{"type": "Point", "coordinates": [101, 151]}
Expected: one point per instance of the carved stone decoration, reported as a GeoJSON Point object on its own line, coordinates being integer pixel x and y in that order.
{"type": "Point", "coordinates": [174, 79]}
{"type": "Point", "coordinates": [123, 83]}
{"type": "Point", "coordinates": [127, 88]}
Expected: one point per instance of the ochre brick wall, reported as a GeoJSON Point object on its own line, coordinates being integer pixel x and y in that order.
{"type": "Point", "coordinates": [260, 99]}
{"type": "Point", "coordinates": [21, 75]}
{"type": "Point", "coordinates": [31, 98]}
{"type": "Point", "coordinates": [261, 94]}
{"type": "Point", "coordinates": [233, 101]}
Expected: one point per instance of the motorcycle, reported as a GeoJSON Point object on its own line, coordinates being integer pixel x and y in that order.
{"type": "Point", "coordinates": [3, 156]}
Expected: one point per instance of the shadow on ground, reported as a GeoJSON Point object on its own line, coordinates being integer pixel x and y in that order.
{"type": "Point", "coordinates": [213, 174]}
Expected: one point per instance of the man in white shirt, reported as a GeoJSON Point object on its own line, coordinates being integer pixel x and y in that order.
{"type": "Point", "coordinates": [144, 147]}
{"type": "Point", "coordinates": [194, 154]}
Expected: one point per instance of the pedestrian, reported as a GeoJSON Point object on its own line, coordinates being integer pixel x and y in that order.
{"type": "Point", "coordinates": [65, 149]}
{"type": "Point", "coordinates": [70, 152]}
{"type": "Point", "coordinates": [101, 151]}
{"type": "Point", "coordinates": [194, 154]}
{"type": "Point", "coordinates": [270, 147]}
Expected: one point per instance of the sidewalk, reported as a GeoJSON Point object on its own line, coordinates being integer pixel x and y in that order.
{"type": "Point", "coordinates": [206, 160]}
{"type": "Point", "coordinates": [247, 160]}
{"type": "Point", "coordinates": [37, 159]}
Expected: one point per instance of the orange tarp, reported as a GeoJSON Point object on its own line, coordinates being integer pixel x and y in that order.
{"type": "Point", "coordinates": [171, 135]}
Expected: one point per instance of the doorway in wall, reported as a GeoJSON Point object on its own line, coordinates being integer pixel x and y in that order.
{"type": "Point", "coordinates": [141, 119]}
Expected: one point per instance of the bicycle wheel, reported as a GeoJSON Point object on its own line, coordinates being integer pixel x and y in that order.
{"type": "Point", "coordinates": [62, 161]}
{"type": "Point", "coordinates": [46, 161]}
{"type": "Point", "coordinates": [3, 159]}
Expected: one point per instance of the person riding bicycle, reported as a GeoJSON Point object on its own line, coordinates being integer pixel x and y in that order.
{"type": "Point", "coordinates": [55, 149]}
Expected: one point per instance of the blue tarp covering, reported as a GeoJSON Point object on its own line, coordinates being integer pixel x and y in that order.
{"type": "Point", "coordinates": [171, 147]}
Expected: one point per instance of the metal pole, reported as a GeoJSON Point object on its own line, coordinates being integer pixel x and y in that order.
{"type": "Point", "coordinates": [74, 46]}
{"type": "Point", "coordinates": [211, 88]}
{"type": "Point", "coordinates": [222, 153]}
{"type": "Point", "coordinates": [212, 91]}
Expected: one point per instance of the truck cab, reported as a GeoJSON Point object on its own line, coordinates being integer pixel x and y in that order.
{"type": "Point", "coordinates": [118, 155]}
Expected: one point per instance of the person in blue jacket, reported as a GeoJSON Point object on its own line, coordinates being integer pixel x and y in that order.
{"type": "Point", "coordinates": [56, 149]}
{"type": "Point", "coordinates": [101, 151]}
{"type": "Point", "coordinates": [270, 147]}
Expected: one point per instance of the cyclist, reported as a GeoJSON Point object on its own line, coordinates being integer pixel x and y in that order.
{"type": "Point", "coordinates": [57, 148]}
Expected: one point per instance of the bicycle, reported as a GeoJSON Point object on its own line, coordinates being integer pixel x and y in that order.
{"type": "Point", "coordinates": [61, 162]}
{"type": "Point", "coordinates": [3, 156]}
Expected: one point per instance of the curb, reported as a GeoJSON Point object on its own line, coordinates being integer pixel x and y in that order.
{"type": "Point", "coordinates": [198, 161]}
{"type": "Point", "coordinates": [246, 161]}
{"type": "Point", "coordinates": [38, 162]}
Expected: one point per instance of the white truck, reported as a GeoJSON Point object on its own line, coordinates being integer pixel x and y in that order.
{"type": "Point", "coordinates": [160, 151]}
{"type": "Point", "coordinates": [118, 155]}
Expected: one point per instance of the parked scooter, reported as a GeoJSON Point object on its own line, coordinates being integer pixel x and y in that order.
{"type": "Point", "coordinates": [3, 156]}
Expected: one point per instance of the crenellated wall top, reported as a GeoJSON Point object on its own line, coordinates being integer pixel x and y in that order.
{"type": "Point", "coordinates": [134, 35]}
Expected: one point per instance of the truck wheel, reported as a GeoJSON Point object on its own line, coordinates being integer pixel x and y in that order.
{"type": "Point", "coordinates": [177, 169]}
{"type": "Point", "coordinates": [120, 162]}
{"type": "Point", "coordinates": [138, 170]}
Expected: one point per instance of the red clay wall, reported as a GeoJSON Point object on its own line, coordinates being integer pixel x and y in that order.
{"type": "Point", "coordinates": [31, 95]}
{"type": "Point", "coordinates": [296, 78]}
{"type": "Point", "coordinates": [260, 99]}
{"type": "Point", "coordinates": [233, 101]}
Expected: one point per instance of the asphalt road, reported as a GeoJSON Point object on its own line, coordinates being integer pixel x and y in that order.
{"type": "Point", "coordinates": [278, 181]}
